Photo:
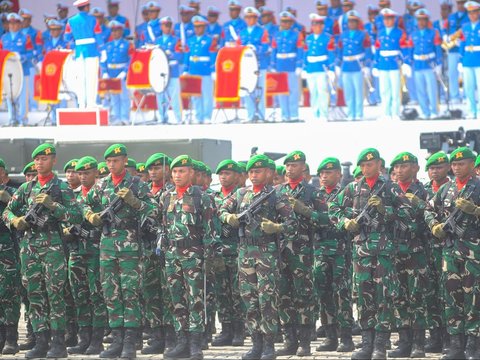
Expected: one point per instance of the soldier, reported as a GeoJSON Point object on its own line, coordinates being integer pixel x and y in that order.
{"type": "Point", "coordinates": [460, 262]}
{"type": "Point", "coordinates": [280, 173]}
{"type": "Point", "coordinates": [120, 268]}
{"type": "Point", "coordinates": [184, 29]}
{"type": "Point", "coordinates": [296, 283]}
{"type": "Point", "coordinates": [113, 15]}
{"type": "Point", "coordinates": [83, 270]}
{"type": "Point", "coordinates": [287, 56]}
{"type": "Point", "coordinates": [342, 23]}
{"type": "Point", "coordinates": [29, 171]}
{"type": "Point", "coordinates": [374, 246]}
{"type": "Point", "coordinates": [187, 221]}
{"type": "Point", "coordinates": [232, 28]}
{"type": "Point", "coordinates": [441, 25]}
{"type": "Point", "coordinates": [258, 254]}
{"type": "Point", "coordinates": [153, 30]}
{"type": "Point", "coordinates": [73, 180]}
{"type": "Point", "coordinates": [131, 166]}
{"type": "Point", "coordinates": [411, 262]}
{"type": "Point", "coordinates": [43, 265]}
{"type": "Point", "coordinates": [105, 31]}
{"type": "Point", "coordinates": [142, 172]}
{"type": "Point", "coordinates": [335, 9]}
{"type": "Point", "coordinates": [62, 13]}
{"type": "Point", "coordinates": [141, 31]}
{"type": "Point", "coordinates": [9, 277]}
{"type": "Point", "coordinates": [332, 267]}
{"type": "Point", "coordinates": [214, 29]}
{"type": "Point", "coordinates": [102, 170]}
{"type": "Point", "coordinates": [296, 25]}
{"type": "Point", "coordinates": [242, 179]}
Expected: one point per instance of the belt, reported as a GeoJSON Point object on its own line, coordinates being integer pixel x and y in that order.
{"type": "Point", "coordinates": [85, 41]}
{"type": "Point", "coordinates": [387, 53]}
{"type": "Point", "coordinates": [256, 242]}
{"type": "Point", "coordinates": [424, 56]}
{"type": "Point", "coordinates": [287, 56]}
{"type": "Point", "coordinates": [315, 59]}
{"type": "Point", "coordinates": [184, 244]}
{"type": "Point", "coordinates": [173, 62]}
{"type": "Point", "coordinates": [354, 57]}
{"type": "Point", "coordinates": [117, 66]}
{"type": "Point", "coordinates": [472, 48]}
{"type": "Point", "coordinates": [199, 58]}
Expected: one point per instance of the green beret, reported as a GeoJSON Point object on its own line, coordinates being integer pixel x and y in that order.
{"type": "Point", "coordinates": [367, 155]}
{"type": "Point", "coordinates": [295, 156]}
{"type": "Point", "coordinates": [132, 163]}
{"type": "Point", "coordinates": [404, 158]}
{"type": "Point", "coordinates": [329, 163]}
{"type": "Point", "coordinates": [477, 161]}
{"type": "Point", "coordinates": [70, 165]}
{"type": "Point", "coordinates": [242, 167]}
{"type": "Point", "coordinates": [86, 163]}
{"type": "Point", "coordinates": [158, 159]}
{"type": "Point", "coordinates": [182, 160]}
{"type": "Point", "coordinates": [357, 172]}
{"type": "Point", "coordinates": [30, 167]}
{"type": "Point", "coordinates": [272, 165]}
{"type": "Point", "coordinates": [103, 168]}
{"type": "Point", "coordinates": [44, 149]}
{"type": "Point", "coordinates": [258, 161]}
{"type": "Point", "coordinates": [281, 170]}
{"type": "Point", "coordinates": [115, 150]}
{"type": "Point", "coordinates": [141, 168]}
{"type": "Point", "coordinates": [2, 163]}
{"type": "Point", "coordinates": [227, 164]}
{"type": "Point", "coordinates": [438, 158]}
{"type": "Point", "coordinates": [462, 153]}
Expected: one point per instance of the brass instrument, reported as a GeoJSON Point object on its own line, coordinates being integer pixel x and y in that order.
{"type": "Point", "coordinates": [452, 40]}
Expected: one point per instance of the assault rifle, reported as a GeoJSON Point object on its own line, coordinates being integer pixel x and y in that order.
{"type": "Point", "coordinates": [365, 217]}
{"type": "Point", "coordinates": [34, 216]}
{"type": "Point", "coordinates": [450, 225]}
{"type": "Point", "coordinates": [247, 216]}
{"type": "Point", "coordinates": [109, 215]}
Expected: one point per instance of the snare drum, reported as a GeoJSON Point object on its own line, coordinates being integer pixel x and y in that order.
{"type": "Point", "coordinates": [12, 74]}
{"type": "Point", "coordinates": [149, 69]}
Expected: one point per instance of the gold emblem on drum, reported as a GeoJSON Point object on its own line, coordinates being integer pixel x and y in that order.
{"type": "Point", "coordinates": [51, 70]}
{"type": "Point", "coordinates": [137, 67]}
{"type": "Point", "coordinates": [228, 66]}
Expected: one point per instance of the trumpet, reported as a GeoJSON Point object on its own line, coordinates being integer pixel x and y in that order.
{"type": "Point", "coordinates": [451, 41]}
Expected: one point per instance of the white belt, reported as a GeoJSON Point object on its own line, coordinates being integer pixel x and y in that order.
{"type": "Point", "coordinates": [117, 66]}
{"type": "Point", "coordinates": [314, 59]}
{"type": "Point", "coordinates": [86, 41]}
{"type": "Point", "coordinates": [199, 58]}
{"type": "Point", "coordinates": [424, 56]}
{"type": "Point", "coordinates": [472, 48]}
{"type": "Point", "coordinates": [387, 53]}
{"type": "Point", "coordinates": [287, 56]}
{"type": "Point", "coordinates": [173, 62]}
{"type": "Point", "coordinates": [354, 57]}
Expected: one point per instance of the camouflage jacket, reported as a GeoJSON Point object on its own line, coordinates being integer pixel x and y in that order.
{"type": "Point", "coordinates": [67, 211]}
{"type": "Point", "coordinates": [228, 234]}
{"type": "Point", "coordinates": [277, 209]}
{"type": "Point", "coordinates": [377, 238]}
{"type": "Point", "coordinates": [124, 238]}
{"type": "Point", "coordinates": [167, 187]}
{"type": "Point", "coordinates": [466, 240]}
{"type": "Point", "coordinates": [5, 235]}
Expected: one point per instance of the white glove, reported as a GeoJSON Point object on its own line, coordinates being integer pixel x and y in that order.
{"type": "Point", "coordinates": [105, 76]}
{"type": "Point", "coordinates": [337, 71]}
{"type": "Point", "coordinates": [331, 75]}
{"type": "Point", "coordinates": [214, 76]}
{"type": "Point", "coordinates": [407, 70]}
{"type": "Point", "coordinates": [273, 70]}
{"type": "Point", "coordinates": [445, 38]}
{"type": "Point", "coordinates": [437, 70]}
{"type": "Point", "coordinates": [366, 71]}
{"type": "Point", "coordinates": [122, 75]}
{"type": "Point", "coordinates": [298, 71]}
{"type": "Point", "coordinates": [304, 74]}
{"type": "Point", "coordinates": [460, 68]}
{"type": "Point", "coordinates": [103, 56]}
{"type": "Point", "coordinates": [184, 73]}
{"type": "Point", "coordinates": [375, 72]}
{"type": "Point", "coordinates": [39, 67]}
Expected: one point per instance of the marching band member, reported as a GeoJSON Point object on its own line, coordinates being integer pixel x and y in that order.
{"type": "Point", "coordinates": [99, 14]}
{"type": "Point", "coordinates": [62, 13]}
{"type": "Point", "coordinates": [199, 59]}
{"type": "Point", "coordinates": [379, 24]}
{"type": "Point", "coordinates": [319, 62]}
{"type": "Point", "coordinates": [373, 10]}
{"type": "Point", "coordinates": [214, 29]}
{"type": "Point", "coordinates": [330, 25]}
{"type": "Point", "coordinates": [441, 25]}
{"type": "Point", "coordinates": [171, 96]}
{"type": "Point", "coordinates": [268, 21]}
{"type": "Point", "coordinates": [347, 5]}
{"type": "Point", "coordinates": [296, 25]}
{"type": "Point", "coordinates": [335, 9]}
{"type": "Point", "coordinates": [186, 16]}
{"type": "Point", "coordinates": [409, 18]}
{"type": "Point", "coordinates": [113, 7]}
{"type": "Point", "coordinates": [46, 19]}
{"type": "Point", "coordinates": [141, 31]}
{"type": "Point", "coordinates": [195, 5]}
{"type": "Point", "coordinates": [153, 25]}
{"type": "Point", "coordinates": [232, 27]}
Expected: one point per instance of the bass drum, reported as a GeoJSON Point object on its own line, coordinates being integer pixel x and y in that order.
{"type": "Point", "coordinates": [159, 70]}
{"type": "Point", "coordinates": [12, 79]}
{"type": "Point", "coordinates": [249, 72]}
{"type": "Point", "coordinates": [69, 88]}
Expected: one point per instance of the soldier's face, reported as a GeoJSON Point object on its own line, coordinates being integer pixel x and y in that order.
{"type": "Point", "coordinates": [251, 20]}
{"type": "Point", "coordinates": [266, 18]}
{"type": "Point", "coordinates": [422, 23]}
{"type": "Point", "coordinates": [228, 178]}
{"type": "Point", "coordinates": [144, 176]}
{"type": "Point", "coordinates": [317, 28]}
{"type": "Point", "coordinates": [113, 10]}
{"type": "Point", "coordinates": [330, 178]}
{"type": "Point", "coordinates": [389, 21]}
{"type": "Point", "coordinates": [88, 177]}
{"type": "Point", "coordinates": [438, 172]}
{"type": "Point", "coordinates": [346, 8]}
{"type": "Point", "coordinates": [405, 172]}
{"type": "Point", "coordinates": [199, 30]}
{"type": "Point", "coordinates": [212, 18]}
{"type": "Point", "coordinates": [242, 179]}
{"type": "Point", "coordinates": [371, 168]}
{"type": "Point", "coordinates": [157, 174]}
{"type": "Point", "coordinates": [473, 15]}
{"type": "Point", "coordinates": [72, 178]}
{"type": "Point", "coordinates": [14, 26]}
{"type": "Point", "coordinates": [234, 12]}
{"type": "Point", "coordinates": [445, 10]}
{"type": "Point", "coordinates": [461, 6]}
{"type": "Point", "coordinates": [117, 33]}
{"type": "Point", "coordinates": [62, 13]}
{"type": "Point", "coordinates": [145, 15]}
{"type": "Point", "coordinates": [186, 16]}
{"type": "Point", "coordinates": [322, 10]}
{"type": "Point", "coordinates": [335, 3]}
{"type": "Point", "coordinates": [463, 169]}
{"type": "Point", "coordinates": [286, 24]}
{"type": "Point", "coordinates": [116, 164]}
{"type": "Point", "coordinates": [132, 170]}
{"type": "Point", "coordinates": [167, 28]}
{"type": "Point", "coordinates": [295, 170]}
{"type": "Point", "coordinates": [30, 176]}
{"type": "Point", "coordinates": [182, 176]}
{"type": "Point", "coordinates": [55, 33]}
{"type": "Point", "coordinates": [153, 14]}
{"type": "Point", "coordinates": [258, 176]}
{"type": "Point", "coordinates": [278, 179]}
{"type": "Point", "coordinates": [44, 163]}
{"type": "Point", "coordinates": [352, 24]}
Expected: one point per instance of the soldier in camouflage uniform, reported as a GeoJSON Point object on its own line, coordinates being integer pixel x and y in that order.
{"type": "Point", "coordinates": [43, 263]}
{"type": "Point", "coordinates": [374, 246]}
{"type": "Point", "coordinates": [120, 248]}
{"type": "Point", "coordinates": [296, 306]}
{"type": "Point", "coordinates": [461, 253]}
{"type": "Point", "coordinates": [9, 278]}
{"type": "Point", "coordinates": [102, 170]}
{"type": "Point", "coordinates": [227, 291]}
{"type": "Point", "coordinates": [438, 168]}
{"type": "Point", "coordinates": [187, 214]}
{"type": "Point", "coordinates": [259, 254]}
{"type": "Point", "coordinates": [84, 270]}
{"type": "Point", "coordinates": [411, 262]}
{"type": "Point", "coordinates": [332, 268]}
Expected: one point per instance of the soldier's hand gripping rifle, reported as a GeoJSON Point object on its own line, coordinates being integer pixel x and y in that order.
{"type": "Point", "coordinates": [450, 226]}
{"type": "Point", "coordinates": [109, 215]}
{"type": "Point", "coordinates": [79, 231]}
{"type": "Point", "coordinates": [34, 216]}
{"type": "Point", "coordinates": [247, 216]}
{"type": "Point", "coordinates": [365, 217]}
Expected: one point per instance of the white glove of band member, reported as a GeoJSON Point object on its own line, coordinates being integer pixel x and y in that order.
{"type": "Point", "coordinates": [338, 71]}
{"type": "Point", "coordinates": [298, 71]}
{"type": "Point", "coordinates": [122, 75]}
{"type": "Point", "coordinates": [407, 70]}
{"type": "Point", "coordinates": [331, 75]}
{"type": "Point", "coordinates": [366, 71]}
{"type": "Point", "coordinates": [105, 76]}
{"type": "Point", "coordinates": [375, 72]}
{"type": "Point", "coordinates": [460, 68]}
{"type": "Point", "coordinates": [438, 70]}
{"type": "Point", "coordinates": [214, 76]}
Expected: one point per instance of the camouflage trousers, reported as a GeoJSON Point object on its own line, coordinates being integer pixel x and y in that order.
{"type": "Point", "coordinates": [435, 298]}
{"type": "Point", "coordinates": [212, 266]}
{"type": "Point", "coordinates": [227, 291]}
{"type": "Point", "coordinates": [10, 299]}
{"type": "Point", "coordinates": [462, 294]}
{"type": "Point", "coordinates": [121, 277]}
{"type": "Point", "coordinates": [44, 274]}
{"type": "Point", "coordinates": [410, 305]}
{"type": "Point", "coordinates": [333, 287]}
{"type": "Point", "coordinates": [258, 280]}
{"type": "Point", "coordinates": [185, 276]}
{"type": "Point", "coordinates": [377, 284]}
{"type": "Point", "coordinates": [167, 303]}
{"type": "Point", "coordinates": [84, 277]}
{"type": "Point", "coordinates": [152, 290]}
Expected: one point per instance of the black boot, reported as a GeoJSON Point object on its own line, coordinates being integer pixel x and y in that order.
{"type": "Point", "coordinates": [434, 343]}
{"type": "Point", "coordinates": [129, 350]}
{"type": "Point", "coordinates": [445, 341]}
{"type": "Point", "coordinates": [182, 349]}
{"type": "Point", "coordinates": [321, 331]}
{"type": "Point", "coordinates": [476, 352]}
{"type": "Point", "coordinates": [238, 333]}
{"type": "Point", "coordinates": [331, 340]}
{"type": "Point", "coordinates": [170, 338]}
{"type": "Point", "coordinates": [313, 333]}
{"type": "Point", "coordinates": [367, 346]}
{"type": "Point", "coordinates": [418, 347]}
{"type": "Point", "coordinates": [290, 345]}
{"type": "Point", "coordinates": [304, 340]}
{"type": "Point", "coordinates": [41, 346]}
{"type": "Point", "coordinates": [225, 337]}
{"type": "Point", "coordinates": [115, 348]}
{"type": "Point", "coordinates": [84, 336]}
{"type": "Point", "coordinates": [156, 344]}
{"type": "Point", "coordinates": [96, 342]}
{"type": "Point", "coordinates": [3, 336]}
{"type": "Point", "coordinates": [346, 342]}
{"type": "Point", "coordinates": [30, 338]}
{"type": "Point", "coordinates": [356, 330]}
{"type": "Point", "coordinates": [196, 352]}
{"type": "Point", "coordinates": [71, 334]}
{"type": "Point", "coordinates": [255, 352]}
{"type": "Point", "coordinates": [11, 340]}
{"type": "Point", "coordinates": [108, 337]}
{"type": "Point", "coordinates": [455, 350]}
{"type": "Point", "coordinates": [268, 352]}
{"type": "Point", "coordinates": [58, 349]}
{"type": "Point", "coordinates": [404, 344]}
{"type": "Point", "coordinates": [470, 346]}
{"type": "Point", "coordinates": [207, 334]}
{"type": "Point", "coordinates": [380, 345]}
